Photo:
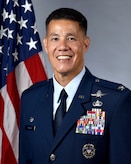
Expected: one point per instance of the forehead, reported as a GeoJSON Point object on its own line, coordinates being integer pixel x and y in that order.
{"type": "Point", "coordinates": [63, 24]}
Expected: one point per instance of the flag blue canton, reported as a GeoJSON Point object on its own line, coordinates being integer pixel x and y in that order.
{"type": "Point", "coordinates": [19, 37]}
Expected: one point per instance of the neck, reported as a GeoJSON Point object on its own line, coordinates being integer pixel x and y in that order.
{"type": "Point", "coordinates": [64, 79]}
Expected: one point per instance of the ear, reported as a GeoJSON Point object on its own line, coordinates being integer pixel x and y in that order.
{"type": "Point", "coordinates": [45, 44]}
{"type": "Point", "coordinates": [87, 43]}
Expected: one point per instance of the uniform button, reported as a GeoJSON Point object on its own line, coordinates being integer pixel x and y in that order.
{"type": "Point", "coordinates": [52, 157]}
{"type": "Point", "coordinates": [97, 80]}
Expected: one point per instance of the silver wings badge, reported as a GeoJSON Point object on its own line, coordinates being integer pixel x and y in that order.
{"type": "Point", "coordinates": [98, 94]}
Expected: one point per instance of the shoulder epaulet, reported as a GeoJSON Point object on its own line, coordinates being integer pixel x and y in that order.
{"type": "Point", "coordinates": [111, 85]}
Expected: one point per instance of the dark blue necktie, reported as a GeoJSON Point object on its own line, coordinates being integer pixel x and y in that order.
{"type": "Point", "coordinates": [61, 110]}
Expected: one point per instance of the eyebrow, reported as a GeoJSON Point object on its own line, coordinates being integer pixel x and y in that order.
{"type": "Point", "coordinates": [68, 34]}
{"type": "Point", "coordinates": [53, 34]}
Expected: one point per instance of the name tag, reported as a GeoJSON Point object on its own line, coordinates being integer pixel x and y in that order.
{"type": "Point", "coordinates": [29, 127]}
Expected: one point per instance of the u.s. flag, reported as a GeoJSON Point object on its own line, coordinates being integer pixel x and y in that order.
{"type": "Point", "coordinates": [21, 65]}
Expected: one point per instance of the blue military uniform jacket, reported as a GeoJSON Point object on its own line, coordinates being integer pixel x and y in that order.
{"type": "Point", "coordinates": [95, 130]}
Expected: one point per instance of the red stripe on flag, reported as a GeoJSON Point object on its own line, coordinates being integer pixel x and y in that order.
{"type": "Point", "coordinates": [35, 68]}
{"type": "Point", "coordinates": [1, 111]}
{"type": "Point", "coordinates": [13, 94]}
{"type": "Point", "coordinates": [1, 126]}
{"type": "Point", "coordinates": [13, 55]}
{"type": "Point", "coordinates": [6, 151]}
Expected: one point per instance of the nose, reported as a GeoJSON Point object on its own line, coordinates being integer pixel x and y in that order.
{"type": "Point", "coordinates": [63, 46]}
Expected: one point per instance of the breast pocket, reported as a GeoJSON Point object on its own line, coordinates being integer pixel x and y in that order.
{"type": "Point", "coordinates": [91, 148]}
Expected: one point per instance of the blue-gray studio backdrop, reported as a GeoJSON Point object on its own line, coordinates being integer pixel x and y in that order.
{"type": "Point", "coordinates": [109, 28]}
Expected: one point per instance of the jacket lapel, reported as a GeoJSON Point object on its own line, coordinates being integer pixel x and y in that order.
{"type": "Point", "coordinates": [46, 107]}
{"type": "Point", "coordinates": [77, 108]}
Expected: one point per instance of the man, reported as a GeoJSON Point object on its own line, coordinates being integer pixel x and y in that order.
{"type": "Point", "coordinates": [96, 126]}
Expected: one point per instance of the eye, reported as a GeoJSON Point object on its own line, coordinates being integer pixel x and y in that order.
{"type": "Point", "coordinates": [71, 38]}
{"type": "Point", "coordinates": [54, 38]}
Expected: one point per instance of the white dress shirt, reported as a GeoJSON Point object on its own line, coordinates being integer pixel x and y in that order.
{"type": "Point", "coordinates": [70, 89]}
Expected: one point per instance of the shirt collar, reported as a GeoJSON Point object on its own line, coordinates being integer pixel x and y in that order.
{"type": "Point", "coordinates": [70, 88]}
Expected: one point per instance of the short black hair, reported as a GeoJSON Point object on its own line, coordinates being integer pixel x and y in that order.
{"type": "Point", "coordinates": [69, 14]}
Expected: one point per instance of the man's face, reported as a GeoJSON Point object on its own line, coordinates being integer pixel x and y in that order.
{"type": "Point", "coordinates": [66, 44]}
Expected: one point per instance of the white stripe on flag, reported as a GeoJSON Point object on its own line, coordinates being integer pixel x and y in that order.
{"type": "Point", "coordinates": [23, 79]}
{"type": "Point", "coordinates": [10, 122]}
{"type": "Point", "coordinates": [42, 57]}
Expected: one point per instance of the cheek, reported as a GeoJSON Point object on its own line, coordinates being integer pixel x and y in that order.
{"type": "Point", "coordinates": [78, 47]}
{"type": "Point", "coordinates": [51, 57]}
{"type": "Point", "coordinates": [79, 54]}
{"type": "Point", "coordinates": [45, 45]}
{"type": "Point", "coordinates": [51, 48]}
{"type": "Point", "coordinates": [79, 51]}
{"type": "Point", "coordinates": [48, 50]}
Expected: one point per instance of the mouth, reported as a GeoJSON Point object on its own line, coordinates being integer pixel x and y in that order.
{"type": "Point", "coordinates": [61, 57]}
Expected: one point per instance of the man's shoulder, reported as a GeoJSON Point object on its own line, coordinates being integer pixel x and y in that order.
{"type": "Point", "coordinates": [39, 86]}
{"type": "Point", "coordinates": [105, 84]}
{"type": "Point", "coordinates": [111, 86]}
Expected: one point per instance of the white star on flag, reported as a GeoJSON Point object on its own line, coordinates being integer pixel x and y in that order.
{"type": "Point", "coordinates": [15, 54]}
{"type": "Point", "coordinates": [21, 65]}
{"type": "Point", "coordinates": [1, 49]}
{"type": "Point", "coordinates": [16, 3]}
{"type": "Point", "coordinates": [12, 17]}
{"type": "Point", "coordinates": [22, 23]}
{"type": "Point", "coordinates": [10, 34]}
{"type": "Point", "coordinates": [3, 32]}
{"type": "Point", "coordinates": [19, 38]}
{"type": "Point", "coordinates": [32, 44]}
{"type": "Point", "coordinates": [34, 28]}
{"type": "Point", "coordinates": [7, 2]}
{"type": "Point", "coordinates": [27, 7]}
{"type": "Point", "coordinates": [5, 15]}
